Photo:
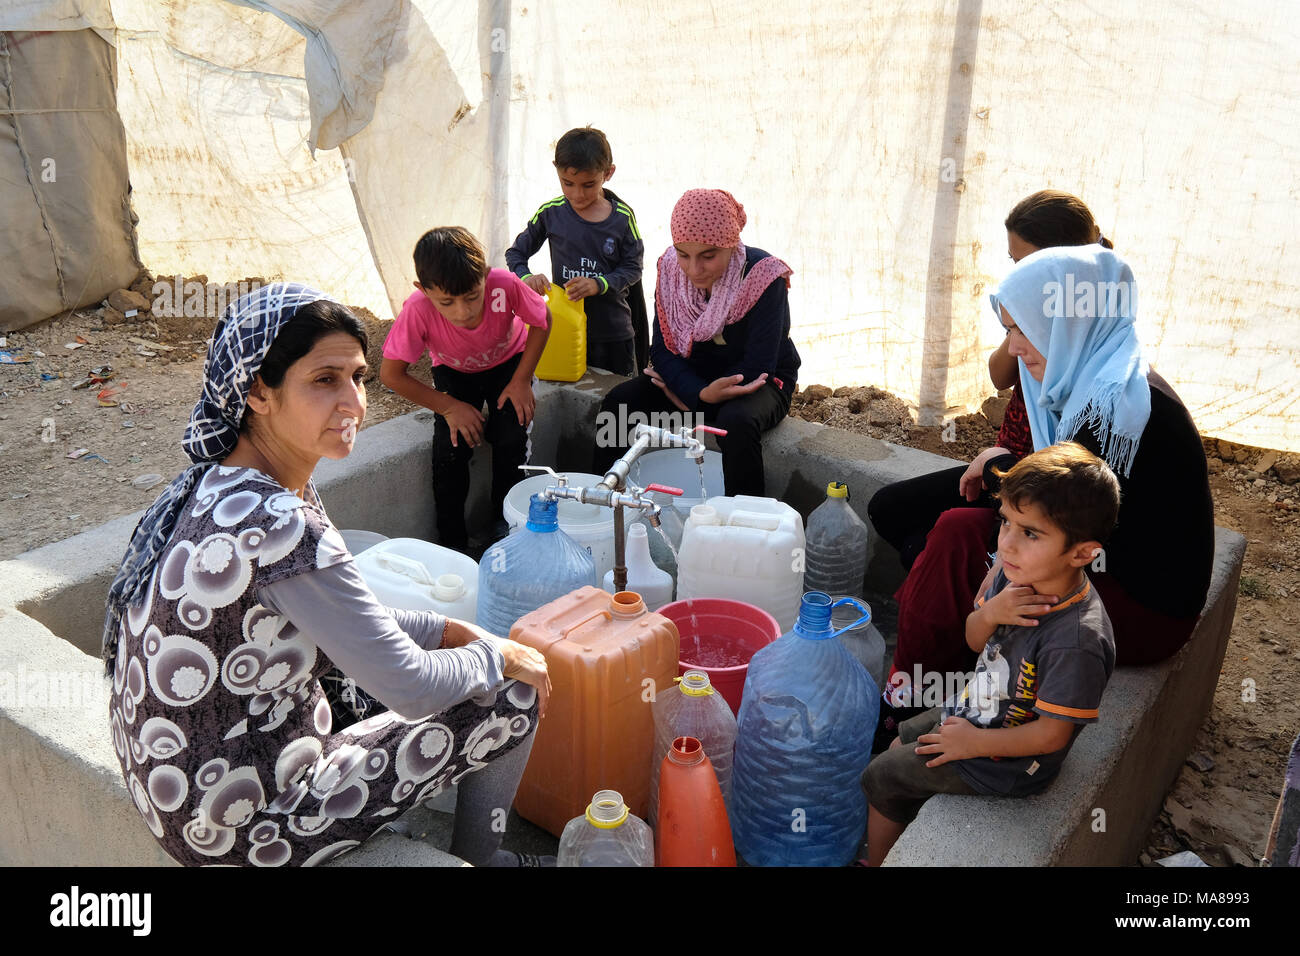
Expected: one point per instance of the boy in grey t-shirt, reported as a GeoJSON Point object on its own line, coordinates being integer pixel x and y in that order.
{"type": "Point", "coordinates": [1045, 645]}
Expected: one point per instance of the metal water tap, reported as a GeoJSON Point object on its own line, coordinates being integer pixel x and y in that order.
{"type": "Point", "coordinates": [633, 497]}
{"type": "Point", "coordinates": [649, 436]}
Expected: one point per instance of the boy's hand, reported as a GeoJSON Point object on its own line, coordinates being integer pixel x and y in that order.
{"type": "Point", "coordinates": [580, 287]}
{"type": "Point", "coordinates": [520, 395]}
{"type": "Point", "coordinates": [538, 283]}
{"type": "Point", "coordinates": [467, 421]}
{"type": "Point", "coordinates": [1012, 604]}
{"type": "Point", "coordinates": [957, 739]}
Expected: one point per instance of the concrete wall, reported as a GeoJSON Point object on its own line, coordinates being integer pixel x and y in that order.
{"type": "Point", "coordinates": [62, 800]}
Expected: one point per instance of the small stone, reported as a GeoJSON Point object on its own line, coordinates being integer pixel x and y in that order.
{"type": "Point", "coordinates": [1266, 461]}
{"type": "Point", "coordinates": [1279, 649]}
{"type": "Point", "coordinates": [1252, 772]}
{"type": "Point", "coordinates": [112, 316]}
{"type": "Point", "coordinates": [1259, 482]}
{"type": "Point", "coordinates": [1214, 465]}
{"type": "Point", "coordinates": [1287, 470]}
{"type": "Point", "coordinates": [1271, 498]}
{"type": "Point", "coordinates": [995, 409]}
{"type": "Point", "coordinates": [1202, 762]}
{"type": "Point", "coordinates": [124, 300]}
{"type": "Point", "coordinates": [1253, 475]}
{"type": "Point", "coordinates": [816, 393]}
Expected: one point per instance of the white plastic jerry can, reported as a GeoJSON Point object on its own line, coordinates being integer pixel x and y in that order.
{"type": "Point", "coordinates": [747, 549]}
{"type": "Point", "coordinates": [643, 576]}
{"type": "Point", "coordinates": [415, 575]}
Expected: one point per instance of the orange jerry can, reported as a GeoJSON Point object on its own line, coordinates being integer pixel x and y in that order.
{"type": "Point", "coordinates": [607, 656]}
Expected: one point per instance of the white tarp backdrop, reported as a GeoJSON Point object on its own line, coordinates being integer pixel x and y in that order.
{"type": "Point", "coordinates": [876, 148]}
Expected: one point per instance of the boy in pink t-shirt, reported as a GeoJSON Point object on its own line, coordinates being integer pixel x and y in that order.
{"type": "Point", "coordinates": [485, 331]}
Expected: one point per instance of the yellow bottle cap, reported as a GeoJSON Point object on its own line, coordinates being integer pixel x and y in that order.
{"type": "Point", "coordinates": [837, 489]}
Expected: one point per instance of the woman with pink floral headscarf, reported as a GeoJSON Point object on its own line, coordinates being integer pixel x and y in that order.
{"type": "Point", "coordinates": [722, 340]}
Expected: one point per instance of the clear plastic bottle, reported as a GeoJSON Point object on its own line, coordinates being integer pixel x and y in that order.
{"type": "Point", "coordinates": [803, 739]}
{"type": "Point", "coordinates": [532, 566]}
{"type": "Point", "coordinates": [606, 835]}
{"type": "Point", "coordinates": [839, 546]}
{"type": "Point", "coordinates": [862, 638]}
{"type": "Point", "coordinates": [653, 584]}
{"type": "Point", "coordinates": [692, 708]}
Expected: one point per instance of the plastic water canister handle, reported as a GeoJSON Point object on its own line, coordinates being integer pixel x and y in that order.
{"type": "Point", "coordinates": [407, 567]}
{"type": "Point", "coordinates": [862, 609]}
{"type": "Point", "coordinates": [754, 519]}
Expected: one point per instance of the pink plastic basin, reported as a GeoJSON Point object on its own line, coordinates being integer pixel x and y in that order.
{"type": "Point", "coordinates": [719, 636]}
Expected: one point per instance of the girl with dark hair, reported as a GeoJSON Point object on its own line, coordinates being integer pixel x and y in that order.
{"type": "Point", "coordinates": [236, 594]}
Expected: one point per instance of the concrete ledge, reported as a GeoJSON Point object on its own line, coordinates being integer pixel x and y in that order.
{"type": "Point", "coordinates": [62, 800]}
{"type": "Point", "coordinates": [1118, 771]}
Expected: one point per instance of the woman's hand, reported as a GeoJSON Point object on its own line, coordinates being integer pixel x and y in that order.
{"type": "Point", "coordinates": [728, 387]}
{"type": "Point", "coordinates": [528, 665]}
{"type": "Point", "coordinates": [466, 420]}
{"type": "Point", "coordinates": [654, 377]}
{"type": "Point", "coordinates": [520, 395]}
{"type": "Point", "coordinates": [972, 479]}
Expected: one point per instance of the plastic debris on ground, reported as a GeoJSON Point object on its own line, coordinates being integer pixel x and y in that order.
{"type": "Point", "coordinates": [11, 357]}
{"type": "Point", "coordinates": [1185, 858]}
{"type": "Point", "coordinates": [145, 482]}
{"type": "Point", "coordinates": [107, 396]}
{"type": "Point", "coordinates": [78, 453]}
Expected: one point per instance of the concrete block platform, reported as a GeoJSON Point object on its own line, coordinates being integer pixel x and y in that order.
{"type": "Point", "coordinates": [62, 800]}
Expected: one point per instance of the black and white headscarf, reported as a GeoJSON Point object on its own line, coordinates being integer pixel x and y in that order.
{"type": "Point", "coordinates": [239, 343]}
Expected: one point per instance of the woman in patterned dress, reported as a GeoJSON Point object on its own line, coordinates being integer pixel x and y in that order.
{"type": "Point", "coordinates": [236, 594]}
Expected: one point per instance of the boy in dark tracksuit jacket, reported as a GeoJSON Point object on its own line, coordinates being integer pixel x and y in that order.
{"type": "Point", "coordinates": [596, 251]}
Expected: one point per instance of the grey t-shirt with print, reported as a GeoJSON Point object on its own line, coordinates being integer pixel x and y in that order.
{"type": "Point", "coordinates": [1056, 670]}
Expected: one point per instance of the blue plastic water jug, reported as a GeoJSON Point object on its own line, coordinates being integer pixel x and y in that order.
{"type": "Point", "coordinates": [806, 722]}
{"type": "Point", "coordinates": [534, 565]}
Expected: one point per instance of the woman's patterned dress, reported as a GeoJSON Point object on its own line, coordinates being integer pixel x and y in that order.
{"type": "Point", "coordinates": [219, 720]}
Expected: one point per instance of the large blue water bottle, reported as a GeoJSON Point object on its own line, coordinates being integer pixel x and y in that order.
{"type": "Point", "coordinates": [534, 565]}
{"type": "Point", "coordinates": [806, 723]}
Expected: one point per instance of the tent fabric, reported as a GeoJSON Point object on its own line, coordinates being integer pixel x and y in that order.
{"type": "Point", "coordinates": [877, 149]}
{"type": "Point", "coordinates": [67, 239]}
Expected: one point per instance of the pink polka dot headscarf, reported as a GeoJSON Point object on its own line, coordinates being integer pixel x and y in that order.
{"type": "Point", "coordinates": [710, 216]}
{"type": "Point", "coordinates": [688, 315]}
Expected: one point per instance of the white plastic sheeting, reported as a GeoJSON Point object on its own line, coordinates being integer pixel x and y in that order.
{"type": "Point", "coordinates": [876, 149]}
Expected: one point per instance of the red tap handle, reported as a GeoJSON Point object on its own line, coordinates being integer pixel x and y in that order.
{"type": "Point", "coordinates": [711, 430]}
{"type": "Point", "coordinates": [664, 489]}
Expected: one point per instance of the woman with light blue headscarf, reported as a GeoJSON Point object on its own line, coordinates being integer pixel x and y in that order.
{"type": "Point", "coordinates": [1070, 317]}
{"type": "Point", "coordinates": [237, 594]}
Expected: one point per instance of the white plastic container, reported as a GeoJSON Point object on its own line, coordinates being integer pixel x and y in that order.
{"type": "Point", "coordinates": [415, 575]}
{"type": "Point", "coordinates": [591, 526]}
{"type": "Point", "coordinates": [654, 585]}
{"type": "Point", "coordinates": [744, 548]}
{"type": "Point", "coordinates": [839, 546]}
